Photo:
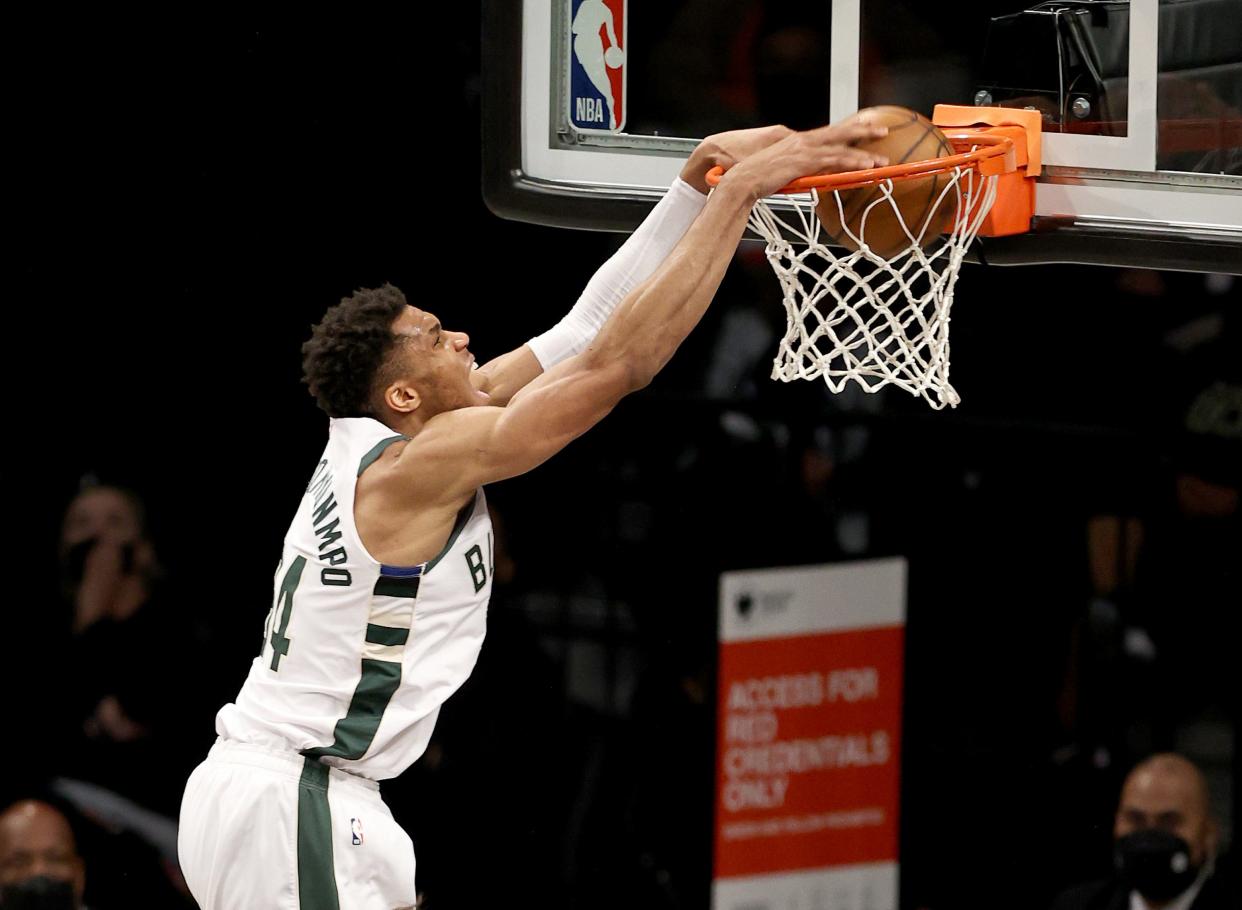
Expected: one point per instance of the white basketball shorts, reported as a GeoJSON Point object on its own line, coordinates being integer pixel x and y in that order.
{"type": "Point", "coordinates": [263, 829]}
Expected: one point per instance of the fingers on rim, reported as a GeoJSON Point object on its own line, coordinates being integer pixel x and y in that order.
{"type": "Point", "coordinates": [863, 161]}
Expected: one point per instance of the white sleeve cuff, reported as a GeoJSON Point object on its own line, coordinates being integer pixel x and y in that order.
{"type": "Point", "coordinates": [630, 266]}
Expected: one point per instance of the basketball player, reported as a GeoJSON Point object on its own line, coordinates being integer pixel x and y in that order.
{"type": "Point", "coordinates": [381, 594]}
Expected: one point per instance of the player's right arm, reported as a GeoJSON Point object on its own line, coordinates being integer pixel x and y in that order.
{"type": "Point", "coordinates": [460, 450]}
{"type": "Point", "coordinates": [636, 261]}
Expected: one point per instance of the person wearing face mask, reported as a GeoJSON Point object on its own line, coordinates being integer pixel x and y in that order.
{"type": "Point", "coordinates": [118, 617]}
{"type": "Point", "coordinates": [1164, 845]}
{"type": "Point", "coordinates": [40, 868]}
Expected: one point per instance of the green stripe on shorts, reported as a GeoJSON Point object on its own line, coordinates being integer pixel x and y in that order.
{"type": "Point", "coordinates": [316, 878]}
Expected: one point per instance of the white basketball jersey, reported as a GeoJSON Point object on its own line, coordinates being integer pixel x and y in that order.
{"type": "Point", "coordinates": [357, 656]}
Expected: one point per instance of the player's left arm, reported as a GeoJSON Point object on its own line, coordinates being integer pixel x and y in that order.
{"type": "Point", "coordinates": [630, 266]}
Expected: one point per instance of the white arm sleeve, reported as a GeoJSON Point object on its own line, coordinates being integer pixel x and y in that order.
{"type": "Point", "coordinates": [629, 267]}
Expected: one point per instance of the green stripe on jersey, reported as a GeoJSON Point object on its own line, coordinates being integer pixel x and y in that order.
{"type": "Point", "coordinates": [396, 587]}
{"type": "Point", "coordinates": [355, 731]}
{"type": "Point", "coordinates": [458, 526]}
{"type": "Point", "coordinates": [316, 877]}
{"type": "Point", "coordinates": [386, 635]}
{"type": "Point", "coordinates": [373, 456]}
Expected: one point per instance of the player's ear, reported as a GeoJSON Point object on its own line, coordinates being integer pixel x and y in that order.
{"type": "Point", "coordinates": [402, 398]}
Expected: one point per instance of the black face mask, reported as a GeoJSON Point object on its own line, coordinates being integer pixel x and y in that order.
{"type": "Point", "coordinates": [1155, 863]}
{"type": "Point", "coordinates": [38, 893]}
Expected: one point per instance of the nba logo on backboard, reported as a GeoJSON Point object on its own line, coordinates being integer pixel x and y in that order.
{"type": "Point", "coordinates": [597, 65]}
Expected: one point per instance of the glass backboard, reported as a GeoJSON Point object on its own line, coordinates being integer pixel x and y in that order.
{"type": "Point", "coordinates": [1141, 103]}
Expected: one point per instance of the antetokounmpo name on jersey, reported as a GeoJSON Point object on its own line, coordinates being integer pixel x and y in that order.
{"type": "Point", "coordinates": [326, 522]}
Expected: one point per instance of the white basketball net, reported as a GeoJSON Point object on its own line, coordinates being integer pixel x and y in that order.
{"type": "Point", "coordinates": [857, 316]}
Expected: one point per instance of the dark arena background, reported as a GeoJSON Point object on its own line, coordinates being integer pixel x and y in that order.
{"type": "Point", "coordinates": [186, 197]}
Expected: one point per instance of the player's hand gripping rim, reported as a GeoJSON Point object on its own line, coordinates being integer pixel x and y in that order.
{"type": "Point", "coordinates": [824, 150]}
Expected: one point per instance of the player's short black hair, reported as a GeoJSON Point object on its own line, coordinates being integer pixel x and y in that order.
{"type": "Point", "coordinates": [348, 349]}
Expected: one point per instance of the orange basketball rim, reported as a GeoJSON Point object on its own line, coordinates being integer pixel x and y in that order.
{"type": "Point", "coordinates": [993, 141]}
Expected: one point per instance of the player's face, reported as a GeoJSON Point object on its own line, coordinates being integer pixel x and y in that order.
{"type": "Point", "coordinates": [439, 359]}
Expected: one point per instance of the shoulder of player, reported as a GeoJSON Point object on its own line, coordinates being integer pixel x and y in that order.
{"type": "Point", "coordinates": [429, 461]}
{"type": "Point", "coordinates": [452, 434]}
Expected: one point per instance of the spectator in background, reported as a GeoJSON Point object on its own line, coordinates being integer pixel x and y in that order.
{"type": "Point", "coordinates": [1165, 844]}
{"type": "Point", "coordinates": [40, 868]}
{"type": "Point", "coordinates": [120, 724]}
{"type": "Point", "coordinates": [1150, 667]}
{"type": "Point", "coordinates": [107, 569]}
{"type": "Point", "coordinates": [103, 676]}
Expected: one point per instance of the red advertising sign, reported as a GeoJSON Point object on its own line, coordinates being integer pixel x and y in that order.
{"type": "Point", "coordinates": [809, 736]}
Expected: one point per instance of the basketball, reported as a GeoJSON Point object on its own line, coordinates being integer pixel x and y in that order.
{"type": "Point", "coordinates": [868, 215]}
{"type": "Point", "coordinates": [614, 57]}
